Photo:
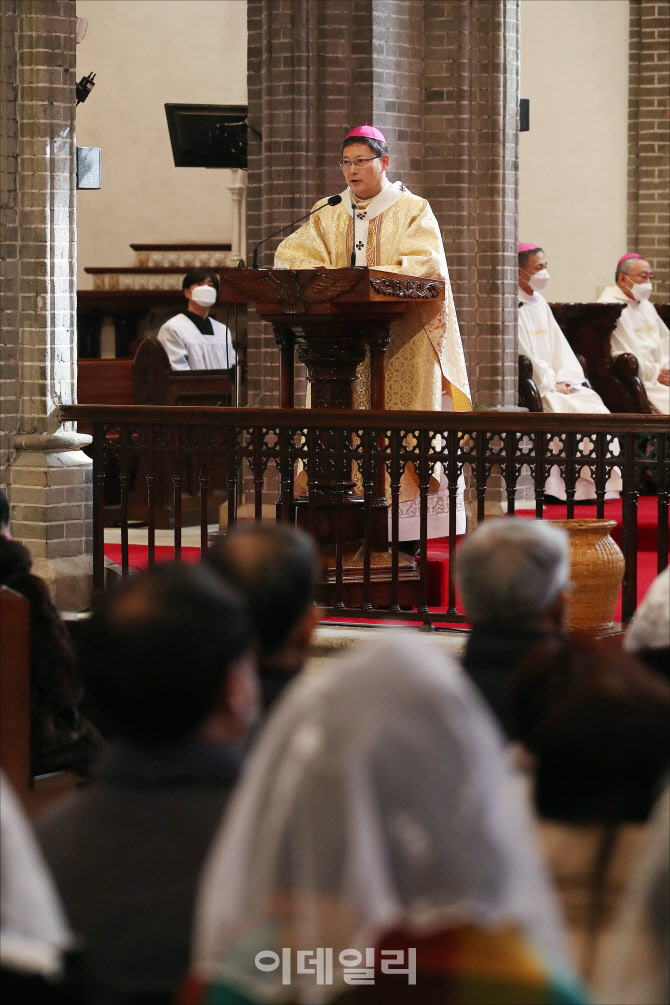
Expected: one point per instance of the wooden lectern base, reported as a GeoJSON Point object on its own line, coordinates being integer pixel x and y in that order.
{"type": "Point", "coordinates": [381, 575]}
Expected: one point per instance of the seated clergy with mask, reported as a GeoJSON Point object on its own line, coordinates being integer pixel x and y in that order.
{"type": "Point", "coordinates": [193, 340]}
{"type": "Point", "coordinates": [556, 369]}
{"type": "Point", "coordinates": [639, 329]}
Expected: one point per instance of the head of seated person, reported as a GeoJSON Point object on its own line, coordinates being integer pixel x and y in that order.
{"type": "Point", "coordinates": [513, 576]}
{"type": "Point", "coordinates": [648, 636]}
{"type": "Point", "coordinates": [276, 569]}
{"type": "Point", "coordinates": [515, 571]}
{"type": "Point", "coordinates": [166, 657]}
{"type": "Point", "coordinates": [634, 277]}
{"type": "Point", "coordinates": [595, 722]}
{"type": "Point", "coordinates": [533, 274]}
{"type": "Point", "coordinates": [201, 288]}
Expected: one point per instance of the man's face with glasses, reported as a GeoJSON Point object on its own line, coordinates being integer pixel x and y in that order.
{"type": "Point", "coordinates": [363, 172]}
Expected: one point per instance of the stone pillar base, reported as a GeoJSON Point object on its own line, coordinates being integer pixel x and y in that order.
{"type": "Point", "coordinates": [50, 491]}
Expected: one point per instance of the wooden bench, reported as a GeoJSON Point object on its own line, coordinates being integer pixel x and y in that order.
{"type": "Point", "coordinates": [15, 690]}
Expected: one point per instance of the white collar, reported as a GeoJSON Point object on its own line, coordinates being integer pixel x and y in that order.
{"type": "Point", "coordinates": [618, 294]}
{"type": "Point", "coordinates": [526, 298]}
{"type": "Point", "coordinates": [379, 203]}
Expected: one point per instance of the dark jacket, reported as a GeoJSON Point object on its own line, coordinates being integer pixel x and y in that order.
{"type": "Point", "coordinates": [126, 853]}
{"type": "Point", "coordinates": [493, 653]}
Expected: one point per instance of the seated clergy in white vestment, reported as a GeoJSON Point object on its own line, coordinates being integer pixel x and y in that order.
{"type": "Point", "coordinates": [556, 370]}
{"type": "Point", "coordinates": [639, 329]}
{"type": "Point", "coordinates": [193, 340]}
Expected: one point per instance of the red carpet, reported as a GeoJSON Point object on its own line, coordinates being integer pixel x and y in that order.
{"type": "Point", "coordinates": [138, 554]}
{"type": "Point", "coordinates": [438, 553]}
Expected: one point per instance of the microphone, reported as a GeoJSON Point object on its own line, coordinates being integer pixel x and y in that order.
{"type": "Point", "coordinates": [354, 206]}
{"type": "Point", "coordinates": [333, 200]}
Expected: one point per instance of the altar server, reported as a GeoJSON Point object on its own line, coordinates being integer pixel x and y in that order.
{"type": "Point", "coordinates": [193, 340]}
{"type": "Point", "coordinates": [396, 231]}
{"type": "Point", "coordinates": [639, 329]}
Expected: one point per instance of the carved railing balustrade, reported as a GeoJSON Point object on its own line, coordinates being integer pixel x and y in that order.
{"type": "Point", "coordinates": [489, 448]}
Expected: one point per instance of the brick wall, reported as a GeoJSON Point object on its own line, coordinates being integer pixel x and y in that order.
{"type": "Point", "coordinates": [649, 138]}
{"type": "Point", "coordinates": [9, 221]}
{"type": "Point", "coordinates": [48, 476]}
{"type": "Point", "coordinates": [441, 80]}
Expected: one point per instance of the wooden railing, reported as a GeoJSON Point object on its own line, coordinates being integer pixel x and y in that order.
{"type": "Point", "coordinates": [142, 443]}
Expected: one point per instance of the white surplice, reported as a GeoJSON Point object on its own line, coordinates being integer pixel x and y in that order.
{"type": "Point", "coordinates": [554, 362]}
{"type": "Point", "coordinates": [641, 332]}
{"type": "Point", "coordinates": [189, 349]}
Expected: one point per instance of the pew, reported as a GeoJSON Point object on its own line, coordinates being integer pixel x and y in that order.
{"type": "Point", "coordinates": [156, 383]}
{"type": "Point", "coordinates": [15, 690]}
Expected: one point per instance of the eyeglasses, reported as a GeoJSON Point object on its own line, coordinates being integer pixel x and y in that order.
{"type": "Point", "coordinates": [359, 162]}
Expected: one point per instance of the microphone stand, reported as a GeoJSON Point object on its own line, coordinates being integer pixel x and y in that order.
{"type": "Point", "coordinates": [333, 200]}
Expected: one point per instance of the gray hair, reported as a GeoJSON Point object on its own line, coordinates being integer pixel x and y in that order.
{"type": "Point", "coordinates": [627, 265]}
{"type": "Point", "coordinates": [512, 568]}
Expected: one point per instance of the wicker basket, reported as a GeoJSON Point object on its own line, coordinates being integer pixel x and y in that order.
{"type": "Point", "coordinates": [596, 569]}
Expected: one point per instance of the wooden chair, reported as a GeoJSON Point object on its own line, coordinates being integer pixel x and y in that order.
{"type": "Point", "coordinates": [588, 328]}
{"type": "Point", "coordinates": [529, 396]}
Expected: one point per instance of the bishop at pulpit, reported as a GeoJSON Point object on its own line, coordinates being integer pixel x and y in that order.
{"type": "Point", "coordinates": [385, 227]}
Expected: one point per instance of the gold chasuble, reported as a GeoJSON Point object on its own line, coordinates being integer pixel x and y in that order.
{"type": "Point", "coordinates": [425, 355]}
{"type": "Point", "coordinates": [396, 231]}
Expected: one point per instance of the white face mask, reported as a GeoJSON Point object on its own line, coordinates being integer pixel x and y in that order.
{"type": "Point", "coordinates": [641, 291]}
{"type": "Point", "coordinates": [204, 296]}
{"type": "Point", "coordinates": [539, 280]}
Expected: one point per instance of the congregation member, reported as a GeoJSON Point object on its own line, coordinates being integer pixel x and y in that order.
{"type": "Point", "coordinates": [648, 635]}
{"type": "Point", "coordinates": [166, 660]}
{"type": "Point", "coordinates": [595, 723]}
{"type": "Point", "coordinates": [514, 579]}
{"type": "Point", "coordinates": [378, 835]}
{"type": "Point", "coordinates": [61, 737]}
{"type": "Point", "coordinates": [276, 569]}
{"type": "Point", "coordinates": [37, 947]}
{"type": "Point", "coordinates": [396, 231]}
{"type": "Point", "coordinates": [192, 339]}
{"type": "Point", "coordinates": [557, 372]}
{"type": "Point", "coordinates": [636, 968]}
{"type": "Point", "coordinates": [639, 329]}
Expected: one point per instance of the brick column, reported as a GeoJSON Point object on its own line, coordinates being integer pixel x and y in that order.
{"type": "Point", "coordinates": [440, 78]}
{"type": "Point", "coordinates": [309, 75]}
{"type": "Point", "coordinates": [48, 477]}
{"type": "Point", "coordinates": [649, 138]}
{"type": "Point", "coordinates": [470, 177]}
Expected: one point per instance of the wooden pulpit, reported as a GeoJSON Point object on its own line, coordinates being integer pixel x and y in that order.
{"type": "Point", "coordinates": [331, 317]}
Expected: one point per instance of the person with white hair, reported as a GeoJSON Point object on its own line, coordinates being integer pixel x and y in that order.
{"type": "Point", "coordinates": [639, 329]}
{"type": "Point", "coordinates": [513, 575]}
{"type": "Point", "coordinates": [378, 849]}
{"type": "Point", "coordinates": [648, 635]}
